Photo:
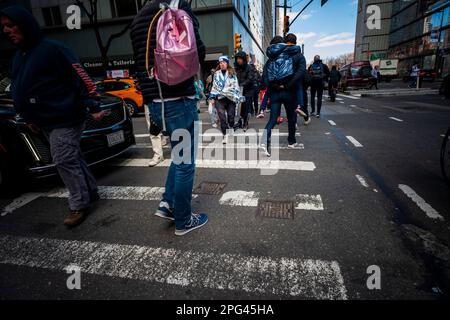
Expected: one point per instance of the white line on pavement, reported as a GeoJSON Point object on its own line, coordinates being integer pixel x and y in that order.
{"type": "Point", "coordinates": [349, 97]}
{"type": "Point", "coordinates": [228, 164]}
{"type": "Point", "coordinates": [213, 145]}
{"type": "Point", "coordinates": [332, 122]}
{"type": "Point", "coordinates": [353, 106]}
{"type": "Point", "coordinates": [316, 279]}
{"type": "Point", "coordinates": [20, 202]}
{"type": "Point", "coordinates": [240, 134]}
{"type": "Point", "coordinates": [362, 181]}
{"type": "Point", "coordinates": [341, 102]}
{"type": "Point", "coordinates": [250, 199]}
{"type": "Point", "coordinates": [421, 203]}
{"type": "Point", "coordinates": [355, 142]}
{"type": "Point", "coordinates": [396, 119]}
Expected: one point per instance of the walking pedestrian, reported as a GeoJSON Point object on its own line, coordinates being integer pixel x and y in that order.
{"type": "Point", "coordinates": [209, 82]}
{"type": "Point", "coordinates": [225, 94]}
{"type": "Point", "coordinates": [246, 78]}
{"type": "Point", "coordinates": [281, 75]}
{"type": "Point", "coordinates": [53, 94]}
{"type": "Point", "coordinates": [157, 139]}
{"type": "Point", "coordinates": [376, 75]}
{"type": "Point", "coordinates": [173, 108]}
{"type": "Point", "coordinates": [256, 83]}
{"type": "Point", "coordinates": [319, 75]}
{"type": "Point", "coordinates": [199, 94]}
{"type": "Point", "coordinates": [414, 75]}
{"type": "Point", "coordinates": [335, 77]}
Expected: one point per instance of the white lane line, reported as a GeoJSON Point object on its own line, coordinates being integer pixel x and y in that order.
{"type": "Point", "coordinates": [341, 102]}
{"type": "Point", "coordinates": [315, 279]}
{"type": "Point", "coordinates": [250, 199]}
{"type": "Point", "coordinates": [20, 202]}
{"type": "Point", "coordinates": [349, 97]}
{"type": "Point", "coordinates": [362, 181]}
{"type": "Point", "coordinates": [355, 142]}
{"type": "Point", "coordinates": [332, 122]}
{"type": "Point", "coordinates": [240, 134]}
{"type": "Point", "coordinates": [421, 203]}
{"type": "Point", "coordinates": [228, 164]}
{"type": "Point", "coordinates": [216, 145]}
{"type": "Point", "coordinates": [353, 106]}
{"type": "Point", "coordinates": [396, 119]}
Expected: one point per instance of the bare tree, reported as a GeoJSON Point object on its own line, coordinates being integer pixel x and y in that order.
{"type": "Point", "coordinates": [340, 60]}
{"type": "Point", "coordinates": [91, 10]}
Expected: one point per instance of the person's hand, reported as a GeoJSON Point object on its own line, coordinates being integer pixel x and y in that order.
{"type": "Point", "coordinates": [98, 116]}
{"type": "Point", "coordinates": [35, 129]}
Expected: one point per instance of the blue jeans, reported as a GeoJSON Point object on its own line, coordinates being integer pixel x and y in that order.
{"type": "Point", "coordinates": [179, 114]}
{"type": "Point", "coordinates": [288, 99]}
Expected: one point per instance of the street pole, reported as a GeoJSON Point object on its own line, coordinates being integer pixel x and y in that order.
{"type": "Point", "coordinates": [285, 14]}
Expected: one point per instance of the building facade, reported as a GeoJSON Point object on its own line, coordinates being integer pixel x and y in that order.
{"type": "Point", "coordinates": [415, 31]}
{"type": "Point", "coordinates": [372, 44]}
{"type": "Point", "coordinates": [219, 21]}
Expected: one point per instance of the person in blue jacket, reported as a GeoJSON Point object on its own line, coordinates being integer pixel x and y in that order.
{"type": "Point", "coordinates": [53, 94]}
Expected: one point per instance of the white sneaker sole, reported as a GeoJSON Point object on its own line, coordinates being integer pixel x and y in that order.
{"type": "Point", "coordinates": [185, 232]}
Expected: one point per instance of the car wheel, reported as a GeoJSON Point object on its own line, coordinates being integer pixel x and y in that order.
{"type": "Point", "coordinates": [132, 108]}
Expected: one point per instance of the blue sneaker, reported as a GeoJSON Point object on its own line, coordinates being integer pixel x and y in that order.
{"type": "Point", "coordinates": [164, 211]}
{"type": "Point", "coordinates": [197, 221]}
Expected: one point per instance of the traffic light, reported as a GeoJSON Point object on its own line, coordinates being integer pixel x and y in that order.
{"type": "Point", "coordinates": [237, 42]}
{"type": "Point", "coordinates": [286, 25]}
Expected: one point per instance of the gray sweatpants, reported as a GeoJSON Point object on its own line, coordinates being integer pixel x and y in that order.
{"type": "Point", "coordinates": [71, 166]}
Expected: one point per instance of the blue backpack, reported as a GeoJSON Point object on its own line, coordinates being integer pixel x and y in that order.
{"type": "Point", "coordinates": [280, 69]}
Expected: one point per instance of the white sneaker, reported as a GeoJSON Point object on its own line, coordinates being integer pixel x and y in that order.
{"type": "Point", "coordinates": [293, 146]}
{"type": "Point", "coordinates": [155, 161]}
{"type": "Point", "coordinates": [308, 121]}
{"type": "Point", "coordinates": [214, 125]}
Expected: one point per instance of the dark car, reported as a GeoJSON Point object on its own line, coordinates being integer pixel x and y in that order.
{"type": "Point", "coordinates": [24, 154]}
{"type": "Point", "coordinates": [428, 75]}
{"type": "Point", "coordinates": [356, 75]}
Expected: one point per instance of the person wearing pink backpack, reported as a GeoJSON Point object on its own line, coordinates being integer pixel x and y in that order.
{"type": "Point", "coordinates": [167, 51]}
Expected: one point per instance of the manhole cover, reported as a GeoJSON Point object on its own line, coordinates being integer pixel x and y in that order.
{"type": "Point", "coordinates": [276, 209]}
{"type": "Point", "coordinates": [211, 188]}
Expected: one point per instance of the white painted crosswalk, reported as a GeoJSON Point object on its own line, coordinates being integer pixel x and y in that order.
{"type": "Point", "coordinates": [245, 146]}
{"type": "Point", "coordinates": [284, 277]}
{"type": "Point", "coordinates": [229, 164]}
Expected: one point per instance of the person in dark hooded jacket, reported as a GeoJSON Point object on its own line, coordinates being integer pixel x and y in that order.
{"type": "Point", "coordinates": [53, 93]}
{"type": "Point", "coordinates": [246, 75]}
{"type": "Point", "coordinates": [283, 90]}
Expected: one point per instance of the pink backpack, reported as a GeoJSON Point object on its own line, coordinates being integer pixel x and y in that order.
{"type": "Point", "coordinates": [176, 56]}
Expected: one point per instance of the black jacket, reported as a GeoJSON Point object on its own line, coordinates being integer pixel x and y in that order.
{"type": "Point", "coordinates": [49, 87]}
{"type": "Point", "coordinates": [335, 76]}
{"type": "Point", "coordinates": [326, 74]}
{"type": "Point", "coordinates": [246, 74]}
{"type": "Point", "coordinates": [139, 31]}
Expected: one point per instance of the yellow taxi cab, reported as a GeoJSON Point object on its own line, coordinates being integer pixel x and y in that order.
{"type": "Point", "coordinates": [126, 89]}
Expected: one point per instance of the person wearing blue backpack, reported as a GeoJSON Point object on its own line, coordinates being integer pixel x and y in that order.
{"type": "Point", "coordinates": [281, 76]}
{"type": "Point", "coordinates": [319, 75]}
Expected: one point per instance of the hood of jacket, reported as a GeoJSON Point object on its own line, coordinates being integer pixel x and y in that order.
{"type": "Point", "coordinates": [275, 50]}
{"type": "Point", "coordinates": [242, 55]}
{"type": "Point", "coordinates": [26, 22]}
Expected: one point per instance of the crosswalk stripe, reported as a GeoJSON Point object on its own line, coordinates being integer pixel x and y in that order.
{"type": "Point", "coordinates": [349, 97]}
{"type": "Point", "coordinates": [240, 134]}
{"type": "Point", "coordinates": [228, 164]}
{"type": "Point", "coordinates": [251, 198]}
{"type": "Point", "coordinates": [300, 146]}
{"type": "Point", "coordinates": [421, 203]}
{"type": "Point", "coordinates": [315, 279]}
{"type": "Point", "coordinates": [332, 122]}
{"type": "Point", "coordinates": [355, 142]}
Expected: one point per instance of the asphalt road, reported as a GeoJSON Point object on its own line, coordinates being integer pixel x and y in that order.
{"type": "Point", "coordinates": [365, 189]}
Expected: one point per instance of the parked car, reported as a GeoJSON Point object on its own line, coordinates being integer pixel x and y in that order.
{"type": "Point", "coordinates": [428, 75]}
{"type": "Point", "coordinates": [445, 86]}
{"type": "Point", "coordinates": [125, 89]}
{"type": "Point", "coordinates": [24, 154]}
{"type": "Point", "coordinates": [356, 75]}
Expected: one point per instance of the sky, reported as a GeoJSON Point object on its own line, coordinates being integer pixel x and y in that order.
{"type": "Point", "coordinates": [328, 31]}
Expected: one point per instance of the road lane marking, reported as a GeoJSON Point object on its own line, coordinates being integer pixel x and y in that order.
{"type": "Point", "coordinates": [20, 202]}
{"type": "Point", "coordinates": [307, 278]}
{"type": "Point", "coordinates": [355, 142]}
{"type": "Point", "coordinates": [250, 199]}
{"type": "Point", "coordinates": [353, 106]}
{"type": "Point", "coordinates": [215, 145]}
{"type": "Point", "coordinates": [228, 164]}
{"type": "Point", "coordinates": [332, 122]}
{"type": "Point", "coordinates": [362, 181]}
{"type": "Point", "coordinates": [341, 102]}
{"type": "Point", "coordinates": [420, 202]}
{"type": "Point", "coordinates": [349, 97]}
{"type": "Point", "coordinates": [396, 119]}
{"type": "Point", "coordinates": [238, 134]}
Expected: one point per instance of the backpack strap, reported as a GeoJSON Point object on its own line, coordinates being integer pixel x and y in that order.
{"type": "Point", "coordinates": [174, 4]}
{"type": "Point", "coordinates": [149, 34]}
